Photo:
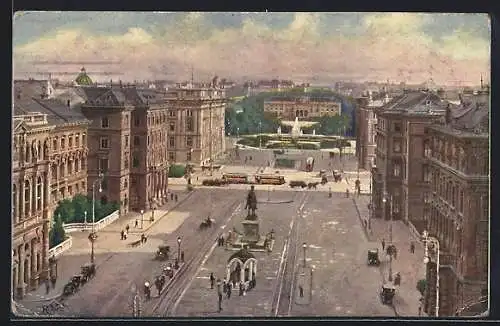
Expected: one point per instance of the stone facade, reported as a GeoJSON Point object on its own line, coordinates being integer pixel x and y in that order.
{"type": "Point", "coordinates": [399, 153]}
{"type": "Point", "coordinates": [49, 164]}
{"type": "Point", "coordinates": [303, 107]}
{"type": "Point", "coordinates": [457, 154]}
{"type": "Point", "coordinates": [127, 139]}
{"type": "Point", "coordinates": [196, 130]}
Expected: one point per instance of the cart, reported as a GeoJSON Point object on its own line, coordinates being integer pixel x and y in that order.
{"type": "Point", "coordinates": [387, 293]}
{"type": "Point", "coordinates": [373, 257]}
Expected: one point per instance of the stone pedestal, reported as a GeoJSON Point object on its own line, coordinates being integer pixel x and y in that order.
{"type": "Point", "coordinates": [250, 231]}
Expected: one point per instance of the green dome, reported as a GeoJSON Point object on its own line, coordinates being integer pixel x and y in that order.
{"type": "Point", "coordinates": [83, 78]}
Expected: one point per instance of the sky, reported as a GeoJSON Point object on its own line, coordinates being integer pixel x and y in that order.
{"type": "Point", "coordinates": [450, 49]}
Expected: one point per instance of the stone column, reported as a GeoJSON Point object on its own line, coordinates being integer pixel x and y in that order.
{"type": "Point", "coordinates": [35, 193]}
{"type": "Point", "coordinates": [18, 201]}
{"type": "Point", "coordinates": [250, 270]}
{"type": "Point", "coordinates": [28, 267]}
{"type": "Point", "coordinates": [33, 270]}
{"type": "Point", "coordinates": [21, 201]}
{"type": "Point", "coordinates": [15, 269]}
{"type": "Point", "coordinates": [21, 286]}
{"type": "Point", "coordinates": [242, 273]}
{"type": "Point", "coordinates": [30, 204]}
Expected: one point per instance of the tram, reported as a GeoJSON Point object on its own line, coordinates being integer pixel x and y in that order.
{"type": "Point", "coordinates": [269, 179]}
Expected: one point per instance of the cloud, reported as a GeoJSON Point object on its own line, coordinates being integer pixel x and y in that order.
{"type": "Point", "coordinates": [373, 46]}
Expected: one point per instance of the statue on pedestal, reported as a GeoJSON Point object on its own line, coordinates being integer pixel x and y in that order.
{"type": "Point", "coordinates": [251, 205]}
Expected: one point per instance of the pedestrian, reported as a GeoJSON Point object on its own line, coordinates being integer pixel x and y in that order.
{"type": "Point", "coordinates": [412, 247]}
{"type": "Point", "coordinates": [176, 198]}
{"type": "Point", "coordinates": [136, 224]}
{"type": "Point", "coordinates": [122, 233]}
{"type": "Point", "coordinates": [171, 196]}
{"type": "Point", "coordinates": [143, 238]}
{"type": "Point", "coordinates": [222, 240]}
{"type": "Point", "coordinates": [301, 291]}
{"type": "Point", "coordinates": [212, 280]}
{"type": "Point", "coordinates": [229, 289]}
{"type": "Point", "coordinates": [182, 256]}
{"type": "Point", "coordinates": [224, 286]}
{"type": "Point", "coordinates": [383, 244]}
{"type": "Point", "coordinates": [419, 311]}
{"type": "Point", "coordinates": [347, 193]}
{"type": "Point", "coordinates": [220, 302]}
{"type": "Point", "coordinates": [47, 286]}
{"type": "Point", "coordinates": [127, 228]}
{"type": "Point", "coordinates": [365, 223]}
{"type": "Point", "coordinates": [53, 280]}
{"type": "Point", "coordinates": [241, 288]}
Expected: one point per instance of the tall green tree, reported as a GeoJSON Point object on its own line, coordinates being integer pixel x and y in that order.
{"type": "Point", "coordinates": [56, 233]}
{"type": "Point", "coordinates": [65, 210]}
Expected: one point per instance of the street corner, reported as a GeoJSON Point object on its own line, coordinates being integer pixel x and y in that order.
{"type": "Point", "coordinates": [303, 286]}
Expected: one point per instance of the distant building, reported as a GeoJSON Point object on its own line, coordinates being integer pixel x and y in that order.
{"type": "Point", "coordinates": [83, 79]}
{"type": "Point", "coordinates": [304, 107]}
{"type": "Point", "coordinates": [27, 89]}
{"type": "Point", "coordinates": [457, 202]}
{"type": "Point", "coordinates": [49, 161]}
{"type": "Point", "coordinates": [196, 130]}
{"type": "Point", "coordinates": [399, 168]}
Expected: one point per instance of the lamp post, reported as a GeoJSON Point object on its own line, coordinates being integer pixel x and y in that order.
{"type": "Point", "coordinates": [304, 246]}
{"type": "Point", "coordinates": [179, 240]}
{"type": "Point", "coordinates": [153, 213]}
{"type": "Point", "coordinates": [142, 218]}
{"type": "Point", "coordinates": [237, 133]}
{"type": "Point", "coordinates": [435, 242]}
{"type": "Point", "coordinates": [384, 200]}
{"type": "Point", "coordinates": [85, 219]}
{"type": "Point", "coordinates": [92, 236]}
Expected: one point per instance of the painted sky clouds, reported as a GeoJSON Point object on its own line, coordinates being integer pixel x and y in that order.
{"type": "Point", "coordinates": [324, 46]}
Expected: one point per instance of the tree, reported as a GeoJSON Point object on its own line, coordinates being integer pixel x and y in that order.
{"type": "Point", "coordinates": [81, 204]}
{"type": "Point", "coordinates": [57, 234]}
{"type": "Point", "coordinates": [422, 286]}
{"type": "Point", "coordinates": [65, 210]}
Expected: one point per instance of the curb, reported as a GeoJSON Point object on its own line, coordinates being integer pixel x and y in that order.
{"type": "Point", "coordinates": [276, 202]}
{"type": "Point", "coordinates": [365, 231]}
{"type": "Point", "coordinates": [166, 213]}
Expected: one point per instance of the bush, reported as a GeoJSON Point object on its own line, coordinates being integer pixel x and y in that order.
{"type": "Point", "coordinates": [56, 233]}
{"type": "Point", "coordinates": [73, 211]}
{"type": "Point", "coordinates": [176, 171]}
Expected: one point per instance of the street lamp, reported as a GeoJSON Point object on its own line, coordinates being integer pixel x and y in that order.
{"type": "Point", "coordinates": [142, 217]}
{"type": "Point", "coordinates": [85, 219]}
{"type": "Point", "coordinates": [179, 239]}
{"type": "Point", "coordinates": [384, 200]}
{"type": "Point", "coordinates": [304, 246]}
{"type": "Point", "coordinates": [435, 242]}
{"type": "Point", "coordinates": [92, 236]}
{"type": "Point", "coordinates": [237, 132]}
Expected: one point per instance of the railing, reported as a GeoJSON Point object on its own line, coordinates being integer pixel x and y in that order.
{"type": "Point", "coordinates": [60, 248]}
{"type": "Point", "coordinates": [72, 227]}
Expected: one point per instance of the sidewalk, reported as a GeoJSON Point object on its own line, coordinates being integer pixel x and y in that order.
{"type": "Point", "coordinates": [410, 266]}
{"type": "Point", "coordinates": [70, 262]}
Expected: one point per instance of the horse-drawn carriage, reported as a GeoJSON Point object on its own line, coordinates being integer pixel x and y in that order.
{"type": "Point", "coordinates": [73, 285]}
{"type": "Point", "coordinates": [373, 257]}
{"type": "Point", "coordinates": [337, 177]}
{"type": "Point", "coordinates": [88, 271]}
{"type": "Point", "coordinates": [162, 253]}
{"type": "Point", "coordinates": [387, 293]}
{"type": "Point", "coordinates": [207, 223]}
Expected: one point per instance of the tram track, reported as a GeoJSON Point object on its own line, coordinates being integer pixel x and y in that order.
{"type": "Point", "coordinates": [171, 296]}
{"type": "Point", "coordinates": [283, 294]}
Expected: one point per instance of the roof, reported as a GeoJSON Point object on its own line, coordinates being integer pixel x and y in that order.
{"type": "Point", "coordinates": [83, 78]}
{"type": "Point", "coordinates": [242, 255]}
{"type": "Point", "coordinates": [57, 111]}
{"type": "Point", "coordinates": [302, 98]}
{"type": "Point", "coordinates": [30, 88]}
{"type": "Point", "coordinates": [415, 102]}
{"type": "Point", "coordinates": [122, 95]}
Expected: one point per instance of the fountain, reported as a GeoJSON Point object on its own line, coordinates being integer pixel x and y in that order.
{"type": "Point", "coordinates": [296, 131]}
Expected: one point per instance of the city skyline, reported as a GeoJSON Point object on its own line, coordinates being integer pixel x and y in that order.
{"type": "Point", "coordinates": [409, 47]}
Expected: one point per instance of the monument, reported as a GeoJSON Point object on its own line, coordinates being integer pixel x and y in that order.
{"type": "Point", "coordinates": [251, 238]}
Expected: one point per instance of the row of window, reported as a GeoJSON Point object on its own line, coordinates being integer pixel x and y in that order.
{"type": "Point", "coordinates": [68, 168]}
{"type": "Point", "coordinates": [61, 143]}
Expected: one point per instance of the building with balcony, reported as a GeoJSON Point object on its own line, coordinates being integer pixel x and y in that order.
{"type": "Point", "coordinates": [399, 170]}
{"type": "Point", "coordinates": [196, 129]}
{"type": "Point", "coordinates": [128, 144]}
{"type": "Point", "coordinates": [49, 164]}
{"type": "Point", "coordinates": [304, 107]}
{"type": "Point", "coordinates": [457, 154]}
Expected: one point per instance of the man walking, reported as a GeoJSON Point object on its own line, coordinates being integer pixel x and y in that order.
{"type": "Point", "coordinates": [383, 244]}
{"type": "Point", "coordinates": [228, 290]}
{"type": "Point", "coordinates": [212, 280]}
{"type": "Point", "coordinates": [412, 247]}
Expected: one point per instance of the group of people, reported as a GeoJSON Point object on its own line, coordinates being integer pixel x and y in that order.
{"type": "Point", "coordinates": [228, 286]}
{"type": "Point", "coordinates": [124, 233]}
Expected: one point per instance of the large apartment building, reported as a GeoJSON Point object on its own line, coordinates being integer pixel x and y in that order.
{"type": "Point", "coordinates": [457, 154]}
{"type": "Point", "coordinates": [399, 171]}
{"type": "Point", "coordinates": [196, 130]}
{"type": "Point", "coordinates": [128, 144]}
{"type": "Point", "coordinates": [49, 164]}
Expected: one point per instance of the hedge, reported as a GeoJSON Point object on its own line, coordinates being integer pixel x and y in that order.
{"type": "Point", "coordinates": [73, 211]}
{"type": "Point", "coordinates": [176, 171]}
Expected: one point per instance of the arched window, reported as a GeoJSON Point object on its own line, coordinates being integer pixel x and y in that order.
{"type": "Point", "coordinates": [77, 165]}
{"type": "Point", "coordinates": [61, 170]}
{"type": "Point", "coordinates": [53, 171]}
{"type": "Point", "coordinates": [40, 152]}
{"type": "Point", "coordinates": [27, 153]}
{"type": "Point", "coordinates": [39, 193]}
{"type": "Point", "coordinates": [70, 166]}
{"type": "Point", "coordinates": [27, 189]}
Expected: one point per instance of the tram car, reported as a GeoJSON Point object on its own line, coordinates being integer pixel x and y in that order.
{"type": "Point", "coordinates": [235, 178]}
{"type": "Point", "coordinates": [269, 179]}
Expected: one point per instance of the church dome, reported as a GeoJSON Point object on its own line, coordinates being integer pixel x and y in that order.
{"type": "Point", "coordinates": [83, 78]}
{"type": "Point", "coordinates": [242, 255]}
